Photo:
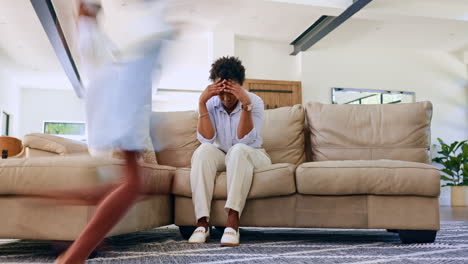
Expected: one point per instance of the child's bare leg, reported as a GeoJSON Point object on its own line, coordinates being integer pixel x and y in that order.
{"type": "Point", "coordinates": [108, 213]}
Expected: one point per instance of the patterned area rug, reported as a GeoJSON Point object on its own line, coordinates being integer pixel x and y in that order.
{"type": "Point", "coordinates": [263, 245]}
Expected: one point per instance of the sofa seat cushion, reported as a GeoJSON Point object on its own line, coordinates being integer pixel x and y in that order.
{"type": "Point", "coordinates": [271, 181]}
{"type": "Point", "coordinates": [35, 176]}
{"type": "Point", "coordinates": [375, 177]}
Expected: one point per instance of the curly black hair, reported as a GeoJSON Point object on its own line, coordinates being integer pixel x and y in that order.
{"type": "Point", "coordinates": [228, 68]}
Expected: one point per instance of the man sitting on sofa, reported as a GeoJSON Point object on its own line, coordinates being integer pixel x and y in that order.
{"type": "Point", "coordinates": [229, 126]}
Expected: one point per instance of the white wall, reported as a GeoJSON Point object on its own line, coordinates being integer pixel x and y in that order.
{"type": "Point", "coordinates": [9, 99]}
{"type": "Point", "coordinates": [268, 60]}
{"type": "Point", "coordinates": [186, 62]}
{"type": "Point", "coordinates": [224, 44]}
{"type": "Point", "coordinates": [38, 105]}
{"type": "Point", "coordinates": [185, 65]}
{"type": "Point", "coordinates": [42, 79]}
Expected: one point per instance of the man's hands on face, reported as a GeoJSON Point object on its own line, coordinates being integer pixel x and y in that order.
{"type": "Point", "coordinates": [212, 90]}
{"type": "Point", "coordinates": [227, 86]}
{"type": "Point", "coordinates": [237, 90]}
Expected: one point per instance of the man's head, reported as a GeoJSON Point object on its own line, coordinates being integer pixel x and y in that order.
{"type": "Point", "coordinates": [228, 68]}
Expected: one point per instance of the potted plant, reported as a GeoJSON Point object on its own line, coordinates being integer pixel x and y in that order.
{"type": "Point", "coordinates": [454, 159]}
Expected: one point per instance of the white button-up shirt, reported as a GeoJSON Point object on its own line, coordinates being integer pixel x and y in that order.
{"type": "Point", "coordinates": [225, 125]}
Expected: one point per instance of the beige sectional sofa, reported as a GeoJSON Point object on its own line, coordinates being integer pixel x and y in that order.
{"type": "Point", "coordinates": [334, 166]}
{"type": "Point", "coordinates": [54, 163]}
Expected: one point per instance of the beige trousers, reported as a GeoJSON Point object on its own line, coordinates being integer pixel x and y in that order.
{"type": "Point", "coordinates": [239, 163]}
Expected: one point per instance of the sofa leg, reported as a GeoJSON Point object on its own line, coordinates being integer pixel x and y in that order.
{"type": "Point", "coordinates": [417, 236]}
{"type": "Point", "coordinates": [186, 231]}
{"type": "Point", "coordinates": [220, 229]}
{"type": "Point", "coordinates": [392, 231]}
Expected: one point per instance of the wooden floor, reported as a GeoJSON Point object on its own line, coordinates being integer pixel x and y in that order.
{"type": "Point", "coordinates": [448, 213]}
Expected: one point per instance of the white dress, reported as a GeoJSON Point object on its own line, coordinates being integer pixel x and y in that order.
{"type": "Point", "coordinates": [117, 87]}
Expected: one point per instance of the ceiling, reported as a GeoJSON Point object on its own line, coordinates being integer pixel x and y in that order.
{"type": "Point", "coordinates": [414, 24]}
{"type": "Point", "coordinates": [23, 40]}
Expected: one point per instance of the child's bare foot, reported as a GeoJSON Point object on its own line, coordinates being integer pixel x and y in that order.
{"type": "Point", "coordinates": [61, 260]}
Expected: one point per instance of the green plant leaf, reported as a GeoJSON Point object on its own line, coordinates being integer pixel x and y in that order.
{"type": "Point", "coordinates": [465, 171]}
{"type": "Point", "coordinates": [445, 150]}
{"type": "Point", "coordinates": [459, 145]}
{"type": "Point", "coordinates": [459, 158]}
{"type": "Point", "coordinates": [452, 146]}
{"type": "Point", "coordinates": [448, 172]}
{"type": "Point", "coordinates": [465, 150]}
{"type": "Point", "coordinates": [453, 163]}
{"type": "Point", "coordinates": [444, 154]}
{"type": "Point", "coordinates": [454, 160]}
{"type": "Point", "coordinates": [445, 178]}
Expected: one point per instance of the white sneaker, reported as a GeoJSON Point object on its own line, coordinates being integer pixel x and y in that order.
{"type": "Point", "coordinates": [199, 236]}
{"type": "Point", "coordinates": [230, 238]}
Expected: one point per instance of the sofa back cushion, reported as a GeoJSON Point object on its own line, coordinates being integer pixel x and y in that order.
{"type": "Point", "coordinates": [174, 136]}
{"type": "Point", "coordinates": [283, 134]}
{"type": "Point", "coordinates": [54, 144]}
{"type": "Point", "coordinates": [370, 132]}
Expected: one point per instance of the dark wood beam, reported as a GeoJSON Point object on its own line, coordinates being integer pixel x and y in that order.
{"type": "Point", "coordinates": [324, 25]}
{"type": "Point", "coordinates": [49, 20]}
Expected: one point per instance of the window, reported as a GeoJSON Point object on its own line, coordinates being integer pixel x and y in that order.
{"type": "Point", "coordinates": [71, 130]}
{"type": "Point", "coordinates": [6, 118]}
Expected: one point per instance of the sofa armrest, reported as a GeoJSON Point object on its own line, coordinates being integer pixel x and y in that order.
{"type": "Point", "coordinates": [53, 144]}
{"type": "Point", "coordinates": [161, 185]}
